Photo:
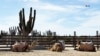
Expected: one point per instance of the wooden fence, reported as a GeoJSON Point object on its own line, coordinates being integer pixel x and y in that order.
{"type": "Point", "coordinates": [47, 41]}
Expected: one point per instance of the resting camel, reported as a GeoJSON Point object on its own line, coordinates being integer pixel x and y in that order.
{"type": "Point", "coordinates": [85, 46]}
{"type": "Point", "coordinates": [58, 47]}
{"type": "Point", "coordinates": [23, 46]}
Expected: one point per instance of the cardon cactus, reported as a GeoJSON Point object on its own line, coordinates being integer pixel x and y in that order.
{"type": "Point", "coordinates": [12, 30]}
{"type": "Point", "coordinates": [3, 33]}
{"type": "Point", "coordinates": [26, 28]}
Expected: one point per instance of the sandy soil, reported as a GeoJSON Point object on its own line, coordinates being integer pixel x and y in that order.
{"type": "Point", "coordinates": [67, 52]}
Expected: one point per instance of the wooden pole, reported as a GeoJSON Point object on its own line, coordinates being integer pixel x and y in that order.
{"type": "Point", "coordinates": [11, 42]}
{"type": "Point", "coordinates": [74, 40]}
{"type": "Point", "coordinates": [97, 33]}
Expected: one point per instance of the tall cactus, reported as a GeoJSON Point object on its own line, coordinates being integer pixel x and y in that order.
{"type": "Point", "coordinates": [3, 33]}
{"type": "Point", "coordinates": [26, 28]}
{"type": "Point", "coordinates": [12, 30]}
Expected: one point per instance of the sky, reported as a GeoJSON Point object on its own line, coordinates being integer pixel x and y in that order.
{"type": "Point", "coordinates": [61, 16]}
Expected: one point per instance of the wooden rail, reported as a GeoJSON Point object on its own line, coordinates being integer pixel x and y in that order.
{"type": "Point", "coordinates": [70, 41]}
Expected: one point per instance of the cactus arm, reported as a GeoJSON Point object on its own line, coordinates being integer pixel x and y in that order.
{"type": "Point", "coordinates": [33, 19]}
{"type": "Point", "coordinates": [29, 22]}
{"type": "Point", "coordinates": [23, 18]}
{"type": "Point", "coordinates": [20, 19]}
{"type": "Point", "coordinates": [19, 30]}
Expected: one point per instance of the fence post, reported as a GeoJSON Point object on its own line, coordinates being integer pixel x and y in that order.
{"type": "Point", "coordinates": [97, 33]}
{"type": "Point", "coordinates": [10, 42]}
{"type": "Point", "coordinates": [74, 40]}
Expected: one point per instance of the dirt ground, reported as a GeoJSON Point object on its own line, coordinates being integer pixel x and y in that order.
{"type": "Point", "coordinates": [67, 52]}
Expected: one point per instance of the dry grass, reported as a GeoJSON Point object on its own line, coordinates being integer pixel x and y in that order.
{"type": "Point", "coordinates": [67, 52]}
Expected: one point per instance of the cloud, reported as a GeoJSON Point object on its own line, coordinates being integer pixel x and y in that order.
{"type": "Point", "coordinates": [9, 22]}
{"type": "Point", "coordinates": [45, 6]}
{"type": "Point", "coordinates": [65, 8]}
{"type": "Point", "coordinates": [90, 1]}
{"type": "Point", "coordinates": [75, 6]}
{"type": "Point", "coordinates": [90, 26]}
{"type": "Point", "coordinates": [93, 22]}
{"type": "Point", "coordinates": [93, 12]}
{"type": "Point", "coordinates": [61, 20]}
{"type": "Point", "coordinates": [54, 26]}
{"type": "Point", "coordinates": [52, 7]}
{"type": "Point", "coordinates": [30, 0]}
{"type": "Point", "coordinates": [42, 24]}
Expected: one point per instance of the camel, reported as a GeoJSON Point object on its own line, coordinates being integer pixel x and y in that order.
{"type": "Point", "coordinates": [22, 46]}
{"type": "Point", "coordinates": [58, 47]}
{"type": "Point", "coordinates": [85, 46]}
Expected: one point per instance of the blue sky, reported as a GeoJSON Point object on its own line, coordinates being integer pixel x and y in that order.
{"type": "Point", "coordinates": [62, 16]}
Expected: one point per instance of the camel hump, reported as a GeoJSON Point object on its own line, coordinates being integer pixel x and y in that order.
{"type": "Point", "coordinates": [86, 43]}
{"type": "Point", "coordinates": [16, 43]}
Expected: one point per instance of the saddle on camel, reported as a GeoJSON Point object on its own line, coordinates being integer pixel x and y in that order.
{"type": "Point", "coordinates": [85, 46]}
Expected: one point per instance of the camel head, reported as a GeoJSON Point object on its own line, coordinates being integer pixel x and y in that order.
{"type": "Point", "coordinates": [32, 45]}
